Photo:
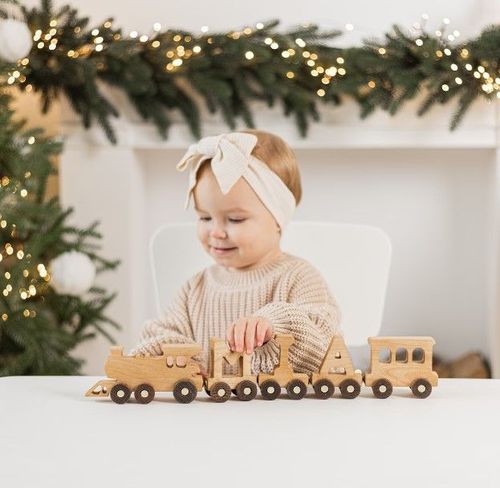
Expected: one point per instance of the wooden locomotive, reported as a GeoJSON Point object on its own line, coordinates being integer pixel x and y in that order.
{"type": "Point", "coordinates": [395, 362]}
{"type": "Point", "coordinates": [146, 375]}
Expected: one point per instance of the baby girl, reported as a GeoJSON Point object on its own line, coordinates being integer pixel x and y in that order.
{"type": "Point", "coordinates": [245, 186]}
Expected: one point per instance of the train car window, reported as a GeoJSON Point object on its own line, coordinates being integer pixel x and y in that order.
{"type": "Point", "coordinates": [418, 355]}
{"type": "Point", "coordinates": [338, 355]}
{"type": "Point", "coordinates": [181, 361]}
{"type": "Point", "coordinates": [384, 355]}
{"type": "Point", "coordinates": [401, 355]}
{"type": "Point", "coordinates": [170, 361]}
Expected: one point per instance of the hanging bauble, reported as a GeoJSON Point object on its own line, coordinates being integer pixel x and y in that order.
{"type": "Point", "coordinates": [15, 40]}
{"type": "Point", "coordinates": [72, 273]}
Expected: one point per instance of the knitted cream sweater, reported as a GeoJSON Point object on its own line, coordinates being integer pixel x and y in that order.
{"type": "Point", "coordinates": [288, 291]}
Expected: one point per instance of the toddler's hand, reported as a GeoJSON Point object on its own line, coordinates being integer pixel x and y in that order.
{"type": "Point", "coordinates": [247, 333]}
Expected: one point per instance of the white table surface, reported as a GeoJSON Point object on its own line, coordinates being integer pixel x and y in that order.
{"type": "Point", "coordinates": [52, 436]}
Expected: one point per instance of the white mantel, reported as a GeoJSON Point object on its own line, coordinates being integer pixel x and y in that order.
{"type": "Point", "coordinates": [340, 128]}
{"type": "Point", "coordinates": [133, 186]}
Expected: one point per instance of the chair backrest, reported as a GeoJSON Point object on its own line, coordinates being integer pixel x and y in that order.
{"type": "Point", "coordinates": [353, 259]}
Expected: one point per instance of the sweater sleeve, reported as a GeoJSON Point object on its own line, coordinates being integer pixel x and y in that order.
{"type": "Point", "coordinates": [310, 313]}
{"type": "Point", "coordinates": [174, 327]}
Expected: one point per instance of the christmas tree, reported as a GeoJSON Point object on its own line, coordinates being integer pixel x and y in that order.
{"type": "Point", "coordinates": [48, 300]}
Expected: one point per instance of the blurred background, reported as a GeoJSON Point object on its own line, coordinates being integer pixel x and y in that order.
{"type": "Point", "coordinates": [432, 190]}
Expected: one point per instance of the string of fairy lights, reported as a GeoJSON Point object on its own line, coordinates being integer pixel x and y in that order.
{"type": "Point", "coordinates": [186, 46]}
{"type": "Point", "coordinates": [489, 82]}
{"type": "Point", "coordinates": [9, 251]}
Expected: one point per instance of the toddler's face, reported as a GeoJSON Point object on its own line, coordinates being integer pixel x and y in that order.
{"type": "Point", "coordinates": [236, 229]}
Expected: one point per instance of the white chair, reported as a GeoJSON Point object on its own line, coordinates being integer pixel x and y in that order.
{"type": "Point", "coordinates": [353, 259]}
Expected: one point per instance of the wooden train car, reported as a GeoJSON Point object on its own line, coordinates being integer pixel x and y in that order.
{"type": "Point", "coordinates": [395, 362]}
{"type": "Point", "coordinates": [337, 371]}
{"type": "Point", "coordinates": [283, 375]}
{"type": "Point", "coordinates": [401, 361]}
{"type": "Point", "coordinates": [220, 386]}
{"type": "Point", "coordinates": [174, 371]}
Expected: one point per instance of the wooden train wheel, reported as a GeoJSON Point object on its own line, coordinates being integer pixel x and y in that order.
{"type": "Point", "coordinates": [323, 389]}
{"type": "Point", "coordinates": [246, 390]}
{"type": "Point", "coordinates": [144, 393]}
{"type": "Point", "coordinates": [220, 392]}
{"type": "Point", "coordinates": [296, 389]}
{"type": "Point", "coordinates": [184, 391]}
{"type": "Point", "coordinates": [349, 389]}
{"type": "Point", "coordinates": [120, 393]}
{"type": "Point", "coordinates": [382, 388]}
{"type": "Point", "coordinates": [270, 390]}
{"type": "Point", "coordinates": [421, 388]}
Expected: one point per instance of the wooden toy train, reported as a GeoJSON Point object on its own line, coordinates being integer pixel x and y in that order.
{"type": "Point", "coordinates": [395, 362]}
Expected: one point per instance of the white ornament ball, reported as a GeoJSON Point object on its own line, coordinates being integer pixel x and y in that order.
{"type": "Point", "coordinates": [15, 40]}
{"type": "Point", "coordinates": [72, 273]}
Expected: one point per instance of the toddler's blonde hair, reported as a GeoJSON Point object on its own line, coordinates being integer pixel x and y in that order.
{"type": "Point", "coordinates": [278, 155]}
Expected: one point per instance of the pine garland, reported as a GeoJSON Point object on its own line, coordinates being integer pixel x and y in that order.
{"type": "Point", "coordinates": [173, 70]}
{"type": "Point", "coordinates": [176, 70]}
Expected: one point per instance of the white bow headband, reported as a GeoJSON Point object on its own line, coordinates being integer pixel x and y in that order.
{"type": "Point", "coordinates": [231, 159]}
